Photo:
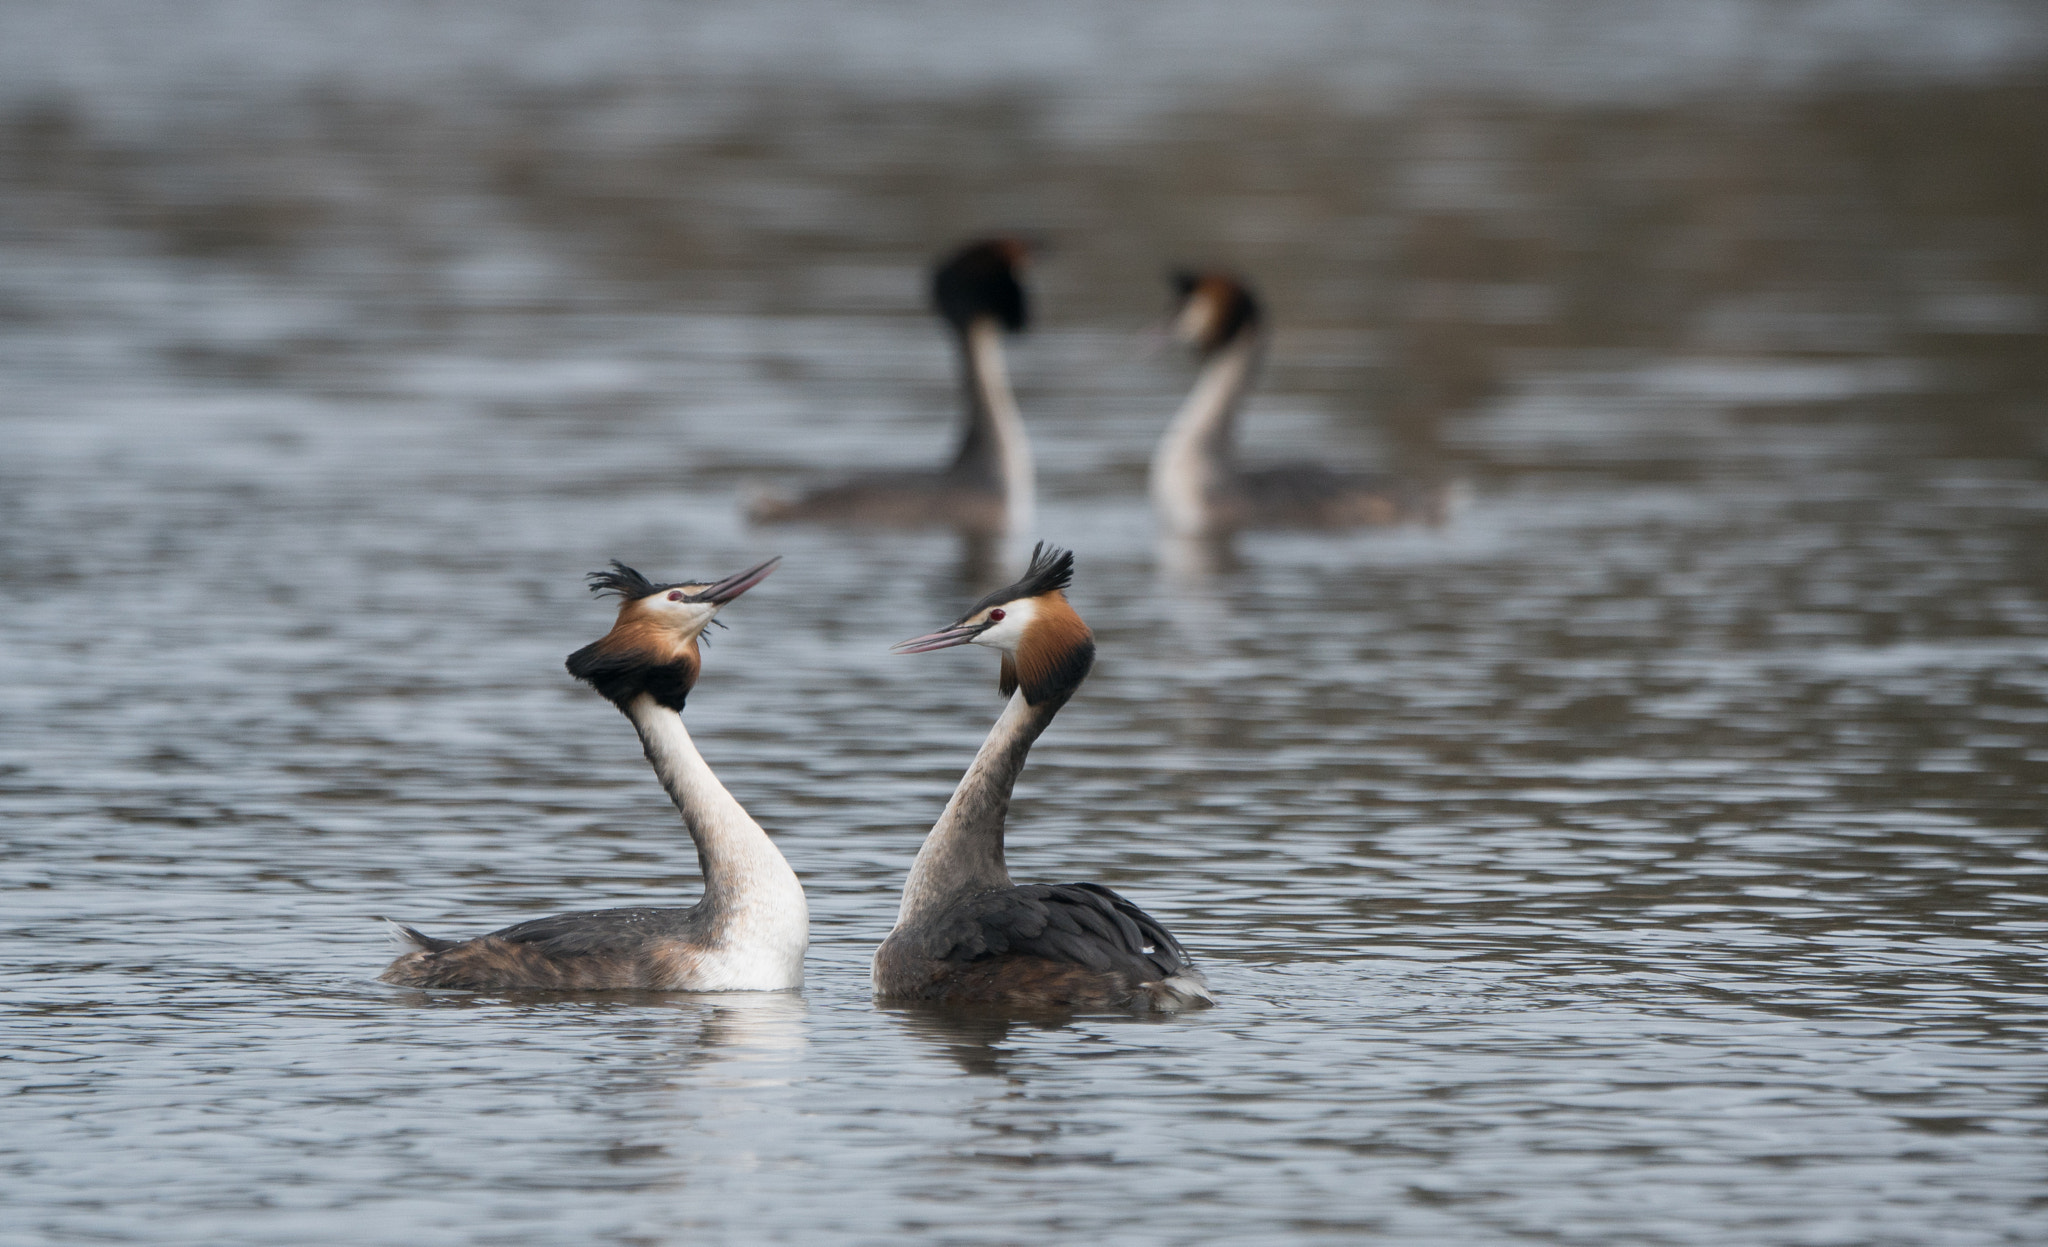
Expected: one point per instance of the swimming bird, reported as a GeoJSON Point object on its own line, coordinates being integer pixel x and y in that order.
{"type": "Point", "coordinates": [988, 488]}
{"type": "Point", "coordinates": [749, 931]}
{"type": "Point", "coordinates": [1199, 489]}
{"type": "Point", "coordinates": [966, 934]}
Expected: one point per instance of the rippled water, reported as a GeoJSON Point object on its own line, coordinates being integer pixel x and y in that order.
{"type": "Point", "coordinates": [1654, 855]}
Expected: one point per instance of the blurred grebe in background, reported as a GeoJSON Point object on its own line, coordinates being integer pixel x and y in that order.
{"type": "Point", "coordinates": [966, 934]}
{"type": "Point", "coordinates": [1198, 487]}
{"type": "Point", "coordinates": [749, 931]}
{"type": "Point", "coordinates": [988, 488]}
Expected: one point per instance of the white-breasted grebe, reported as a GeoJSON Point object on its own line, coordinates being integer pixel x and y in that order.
{"type": "Point", "coordinates": [1199, 489]}
{"type": "Point", "coordinates": [965, 933]}
{"type": "Point", "coordinates": [750, 929]}
{"type": "Point", "coordinates": [988, 488]}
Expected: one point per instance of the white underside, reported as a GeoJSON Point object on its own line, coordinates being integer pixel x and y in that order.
{"type": "Point", "coordinates": [749, 967]}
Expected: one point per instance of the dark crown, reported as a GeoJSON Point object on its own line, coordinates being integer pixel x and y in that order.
{"type": "Point", "coordinates": [1051, 568]}
{"type": "Point", "coordinates": [627, 583]}
{"type": "Point", "coordinates": [978, 280]}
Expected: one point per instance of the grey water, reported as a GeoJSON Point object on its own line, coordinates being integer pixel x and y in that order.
{"type": "Point", "coordinates": [1653, 854]}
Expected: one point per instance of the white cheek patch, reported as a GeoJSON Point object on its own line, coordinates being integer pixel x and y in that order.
{"type": "Point", "coordinates": [1009, 633]}
{"type": "Point", "coordinates": [1198, 318]}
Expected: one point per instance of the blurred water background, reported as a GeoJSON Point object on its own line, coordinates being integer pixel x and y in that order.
{"type": "Point", "coordinates": [1653, 855]}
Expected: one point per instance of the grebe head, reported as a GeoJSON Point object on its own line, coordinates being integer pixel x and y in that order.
{"type": "Point", "coordinates": [1212, 310]}
{"type": "Point", "coordinates": [652, 647]}
{"type": "Point", "coordinates": [1047, 649]}
{"type": "Point", "coordinates": [980, 281]}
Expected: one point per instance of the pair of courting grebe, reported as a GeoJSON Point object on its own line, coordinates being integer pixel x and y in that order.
{"type": "Point", "coordinates": [1199, 486]}
{"type": "Point", "coordinates": [965, 932]}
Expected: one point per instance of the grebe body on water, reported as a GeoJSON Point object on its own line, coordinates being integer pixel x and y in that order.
{"type": "Point", "coordinates": [967, 934]}
{"type": "Point", "coordinates": [988, 488]}
{"type": "Point", "coordinates": [1198, 486]}
{"type": "Point", "coordinates": [750, 929]}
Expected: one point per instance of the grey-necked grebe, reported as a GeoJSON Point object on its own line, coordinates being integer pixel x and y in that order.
{"type": "Point", "coordinates": [965, 933]}
{"type": "Point", "coordinates": [1199, 488]}
{"type": "Point", "coordinates": [747, 933]}
{"type": "Point", "coordinates": [988, 487]}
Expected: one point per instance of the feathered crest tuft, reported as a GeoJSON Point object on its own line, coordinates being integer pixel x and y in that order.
{"type": "Point", "coordinates": [1051, 569]}
{"type": "Point", "coordinates": [624, 581]}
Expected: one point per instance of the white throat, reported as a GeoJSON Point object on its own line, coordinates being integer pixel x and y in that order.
{"type": "Point", "coordinates": [1193, 458]}
{"type": "Point", "coordinates": [753, 901]}
{"type": "Point", "coordinates": [1013, 448]}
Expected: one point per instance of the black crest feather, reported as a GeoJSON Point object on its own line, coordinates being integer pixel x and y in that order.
{"type": "Point", "coordinates": [1051, 568]}
{"type": "Point", "coordinates": [980, 279]}
{"type": "Point", "coordinates": [627, 583]}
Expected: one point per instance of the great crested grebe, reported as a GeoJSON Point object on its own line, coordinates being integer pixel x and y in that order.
{"type": "Point", "coordinates": [1198, 487]}
{"type": "Point", "coordinates": [749, 931]}
{"type": "Point", "coordinates": [966, 934]}
{"type": "Point", "coordinates": [988, 488]}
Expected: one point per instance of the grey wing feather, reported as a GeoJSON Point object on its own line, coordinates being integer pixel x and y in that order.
{"type": "Point", "coordinates": [1078, 923]}
{"type": "Point", "coordinates": [596, 932]}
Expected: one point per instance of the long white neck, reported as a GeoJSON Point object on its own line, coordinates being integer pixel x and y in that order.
{"type": "Point", "coordinates": [988, 375]}
{"type": "Point", "coordinates": [1194, 457]}
{"type": "Point", "coordinates": [964, 852]}
{"type": "Point", "coordinates": [749, 889]}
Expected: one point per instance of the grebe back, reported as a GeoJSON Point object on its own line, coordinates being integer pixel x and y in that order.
{"type": "Point", "coordinates": [988, 488]}
{"type": "Point", "coordinates": [750, 929]}
{"type": "Point", "coordinates": [1198, 486]}
{"type": "Point", "coordinates": [967, 934]}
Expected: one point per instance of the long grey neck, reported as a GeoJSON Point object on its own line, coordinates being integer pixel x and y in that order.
{"type": "Point", "coordinates": [994, 451]}
{"type": "Point", "coordinates": [964, 852]}
{"type": "Point", "coordinates": [1197, 453]}
{"type": "Point", "coordinates": [741, 865]}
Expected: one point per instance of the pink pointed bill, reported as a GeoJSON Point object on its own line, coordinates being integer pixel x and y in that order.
{"type": "Point", "coordinates": [944, 638]}
{"type": "Point", "coordinates": [737, 583]}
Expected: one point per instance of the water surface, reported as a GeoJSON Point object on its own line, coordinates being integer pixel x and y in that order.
{"type": "Point", "coordinates": [1653, 855]}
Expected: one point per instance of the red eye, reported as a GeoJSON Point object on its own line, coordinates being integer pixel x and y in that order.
{"type": "Point", "coordinates": [996, 615]}
{"type": "Point", "coordinates": [675, 595]}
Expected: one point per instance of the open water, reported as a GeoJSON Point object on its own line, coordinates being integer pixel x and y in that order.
{"type": "Point", "coordinates": [1653, 855]}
